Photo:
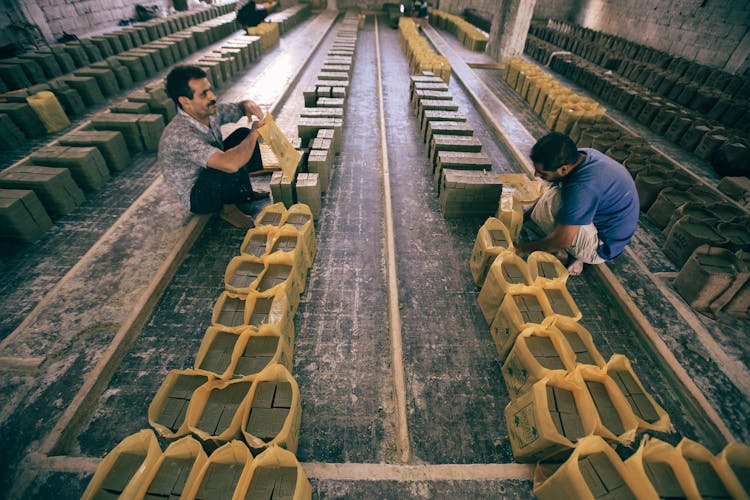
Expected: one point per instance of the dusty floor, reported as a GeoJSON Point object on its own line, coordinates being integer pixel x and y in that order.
{"type": "Point", "coordinates": [342, 357]}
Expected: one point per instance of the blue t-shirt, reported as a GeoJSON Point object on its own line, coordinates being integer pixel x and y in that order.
{"type": "Point", "coordinates": [600, 190]}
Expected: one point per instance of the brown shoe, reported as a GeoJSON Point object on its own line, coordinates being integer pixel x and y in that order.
{"type": "Point", "coordinates": [235, 217]}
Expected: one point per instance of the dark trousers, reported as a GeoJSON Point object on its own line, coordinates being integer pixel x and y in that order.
{"type": "Point", "coordinates": [215, 188]}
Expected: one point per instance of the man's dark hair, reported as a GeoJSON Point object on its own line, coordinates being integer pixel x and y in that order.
{"type": "Point", "coordinates": [553, 151]}
{"type": "Point", "coordinates": [177, 82]}
{"type": "Point", "coordinates": [251, 15]}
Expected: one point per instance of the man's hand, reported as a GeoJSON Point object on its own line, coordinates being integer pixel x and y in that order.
{"type": "Point", "coordinates": [252, 109]}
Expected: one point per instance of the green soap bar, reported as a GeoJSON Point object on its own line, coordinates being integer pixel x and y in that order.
{"type": "Point", "coordinates": [245, 274]}
{"type": "Point", "coordinates": [210, 417]}
{"type": "Point", "coordinates": [663, 479]}
{"type": "Point", "coordinates": [626, 382]}
{"type": "Point", "coordinates": [512, 273]}
{"type": "Point", "coordinates": [572, 426]}
{"type": "Point", "coordinates": [286, 483]}
{"type": "Point", "coordinates": [558, 302]}
{"type": "Point", "coordinates": [546, 269]}
{"type": "Point", "coordinates": [274, 275]}
{"type": "Point", "coordinates": [169, 416]}
{"type": "Point", "coordinates": [225, 421]}
{"type": "Point", "coordinates": [216, 361]}
{"type": "Point", "coordinates": [171, 477]}
{"type": "Point", "coordinates": [250, 365]}
{"type": "Point", "coordinates": [284, 244]}
{"type": "Point", "coordinates": [257, 245]}
{"type": "Point", "coordinates": [708, 482]}
{"type": "Point", "coordinates": [261, 311]}
{"type": "Point", "coordinates": [259, 345]}
{"type": "Point", "coordinates": [283, 396]}
{"type": "Point", "coordinates": [498, 238]}
{"type": "Point", "coordinates": [233, 393]}
{"type": "Point", "coordinates": [184, 385]}
{"type": "Point", "coordinates": [575, 341]}
{"type": "Point", "coordinates": [611, 420]}
{"type": "Point", "coordinates": [551, 402]}
{"type": "Point", "coordinates": [106, 495]}
{"type": "Point", "coordinates": [593, 481]}
{"type": "Point", "coordinates": [232, 312]}
{"type": "Point", "coordinates": [125, 466]}
{"type": "Point", "coordinates": [299, 220]}
{"type": "Point", "coordinates": [599, 394]}
{"type": "Point", "coordinates": [264, 395]}
{"type": "Point", "coordinates": [266, 423]}
{"type": "Point", "coordinates": [262, 483]}
{"type": "Point", "coordinates": [540, 346]}
{"type": "Point", "coordinates": [220, 481]}
{"type": "Point", "coordinates": [551, 362]}
{"type": "Point", "coordinates": [566, 402]}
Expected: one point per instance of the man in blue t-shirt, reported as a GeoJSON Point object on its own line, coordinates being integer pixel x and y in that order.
{"type": "Point", "coordinates": [591, 212]}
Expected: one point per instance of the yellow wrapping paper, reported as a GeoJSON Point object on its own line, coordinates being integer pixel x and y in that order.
{"type": "Point", "coordinates": [255, 239]}
{"type": "Point", "coordinates": [513, 219]}
{"type": "Point", "coordinates": [271, 215]}
{"type": "Point", "coordinates": [737, 457]}
{"type": "Point", "coordinates": [532, 433]}
{"type": "Point", "coordinates": [142, 443]}
{"type": "Point", "coordinates": [276, 456]}
{"type": "Point", "coordinates": [522, 369]}
{"type": "Point", "coordinates": [652, 451]}
{"type": "Point", "coordinates": [588, 373]}
{"type": "Point", "coordinates": [162, 394]}
{"type": "Point", "coordinates": [295, 282]}
{"type": "Point", "coordinates": [288, 156]}
{"type": "Point", "coordinates": [493, 237]}
{"type": "Point", "coordinates": [280, 314]}
{"type": "Point", "coordinates": [496, 283]}
{"type": "Point", "coordinates": [284, 354]}
{"type": "Point", "coordinates": [199, 404]}
{"type": "Point", "coordinates": [696, 452]}
{"type": "Point", "coordinates": [49, 110]}
{"type": "Point", "coordinates": [206, 344]}
{"type": "Point", "coordinates": [527, 189]}
{"type": "Point", "coordinates": [571, 329]}
{"type": "Point", "coordinates": [509, 321]}
{"type": "Point", "coordinates": [185, 448]}
{"type": "Point", "coordinates": [662, 423]}
{"type": "Point", "coordinates": [545, 268]}
{"type": "Point", "coordinates": [233, 452]}
{"type": "Point", "coordinates": [568, 481]}
{"type": "Point", "coordinates": [300, 216]}
{"type": "Point", "coordinates": [288, 436]}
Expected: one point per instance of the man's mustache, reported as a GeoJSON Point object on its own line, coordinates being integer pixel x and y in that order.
{"type": "Point", "coordinates": [211, 103]}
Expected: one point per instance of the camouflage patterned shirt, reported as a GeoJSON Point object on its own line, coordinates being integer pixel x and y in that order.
{"type": "Point", "coordinates": [186, 145]}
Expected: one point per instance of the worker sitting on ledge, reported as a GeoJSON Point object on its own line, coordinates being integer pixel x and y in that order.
{"type": "Point", "coordinates": [208, 173]}
{"type": "Point", "coordinates": [591, 211]}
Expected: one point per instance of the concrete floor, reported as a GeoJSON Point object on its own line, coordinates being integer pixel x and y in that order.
{"type": "Point", "coordinates": [349, 439]}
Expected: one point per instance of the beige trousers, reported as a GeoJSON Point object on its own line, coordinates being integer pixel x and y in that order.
{"type": "Point", "coordinates": [586, 240]}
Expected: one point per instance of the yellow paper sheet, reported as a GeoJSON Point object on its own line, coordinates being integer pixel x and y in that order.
{"type": "Point", "coordinates": [288, 156]}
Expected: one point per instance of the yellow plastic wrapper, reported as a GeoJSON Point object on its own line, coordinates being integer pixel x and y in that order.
{"type": "Point", "coordinates": [579, 339]}
{"type": "Point", "coordinates": [215, 350]}
{"type": "Point", "coordinates": [615, 418]}
{"type": "Point", "coordinates": [167, 413]}
{"type": "Point", "coordinates": [215, 412]}
{"type": "Point", "coordinates": [257, 241]}
{"type": "Point", "coordinates": [300, 216]}
{"type": "Point", "coordinates": [282, 272]}
{"type": "Point", "coordinates": [545, 268]}
{"type": "Point", "coordinates": [124, 468]}
{"type": "Point", "coordinates": [185, 449]}
{"type": "Point", "coordinates": [561, 301]}
{"type": "Point", "coordinates": [512, 217]}
{"type": "Point", "coordinates": [288, 156]}
{"type": "Point", "coordinates": [49, 110]}
{"type": "Point", "coordinates": [521, 308]}
{"type": "Point", "coordinates": [229, 312]}
{"type": "Point", "coordinates": [737, 457]}
{"type": "Point", "coordinates": [276, 457]}
{"type": "Point", "coordinates": [241, 363]}
{"type": "Point", "coordinates": [492, 238]}
{"type": "Point", "coordinates": [667, 471]}
{"type": "Point", "coordinates": [527, 189]}
{"type": "Point", "coordinates": [273, 308]}
{"type": "Point", "coordinates": [536, 352]}
{"type": "Point", "coordinates": [228, 463]}
{"type": "Point", "coordinates": [651, 416]}
{"type": "Point", "coordinates": [288, 239]}
{"type": "Point", "coordinates": [713, 477]}
{"type": "Point", "coordinates": [288, 436]}
{"type": "Point", "coordinates": [507, 272]}
{"type": "Point", "coordinates": [271, 215]}
{"type": "Point", "coordinates": [549, 418]}
{"type": "Point", "coordinates": [593, 470]}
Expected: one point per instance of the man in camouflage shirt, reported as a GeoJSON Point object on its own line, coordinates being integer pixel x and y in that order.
{"type": "Point", "coordinates": [209, 174]}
